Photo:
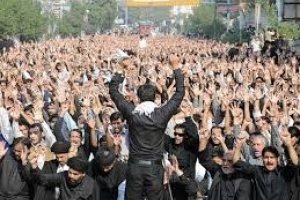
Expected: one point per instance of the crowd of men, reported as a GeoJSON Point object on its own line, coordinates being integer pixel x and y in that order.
{"type": "Point", "coordinates": [102, 118]}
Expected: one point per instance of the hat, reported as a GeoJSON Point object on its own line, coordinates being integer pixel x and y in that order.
{"type": "Point", "coordinates": [60, 147]}
{"type": "Point", "coordinates": [78, 164]}
{"type": "Point", "coordinates": [105, 156]}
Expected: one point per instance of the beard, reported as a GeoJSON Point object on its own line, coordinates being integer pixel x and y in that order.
{"type": "Point", "coordinates": [73, 183]}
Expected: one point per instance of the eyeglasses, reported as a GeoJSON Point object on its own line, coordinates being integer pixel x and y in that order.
{"type": "Point", "coordinates": [179, 134]}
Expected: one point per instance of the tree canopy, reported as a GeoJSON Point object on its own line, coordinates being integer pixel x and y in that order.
{"type": "Point", "coordinates": [21, 18]}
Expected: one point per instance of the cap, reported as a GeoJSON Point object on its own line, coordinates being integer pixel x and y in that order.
{"type": "Point", "coordinates": [78, 164]}
{"type": "Point", "coordinates": [105, 156]}
{"type": "Point", "coordinates": [60, 147]}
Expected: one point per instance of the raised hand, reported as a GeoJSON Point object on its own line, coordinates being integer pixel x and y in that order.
{"type": "Point", "coordinates": [3, 149]}
{"type": "Point", "coordinates": [285, 137]}
{"type": "Point", "coordinates": [33, 160]}
{"type": "Point", "coordinates": [204, 134]}
{"type": "Point", "coordinates": [24, 155]}
{"type": "Point", "coordinates": [91, 123]}
{"type": "Point", "coordinates": [235, 110]}
{"type": "Point", "coordinates": [241, 138]}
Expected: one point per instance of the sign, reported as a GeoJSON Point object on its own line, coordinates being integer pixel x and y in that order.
{"type": "Point", "coordinates": [160, 3]}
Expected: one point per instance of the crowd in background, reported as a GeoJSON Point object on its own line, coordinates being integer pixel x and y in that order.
{"type": "Point", "coordinates": [239, 118]}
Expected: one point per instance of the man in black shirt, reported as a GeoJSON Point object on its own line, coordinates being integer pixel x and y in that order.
{"type": "Point", "coordinates": [73, 184]}
{"type": "Point", "coordinates": [109, 172]}
{"type": "Point", "coordinates": [147, 124]}
{"type": "Point", "coordinates": [272, 182]}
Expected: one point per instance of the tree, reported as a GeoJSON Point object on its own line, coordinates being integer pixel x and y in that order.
{"type": "Point", "coordinates": [21, 18]}
{"type": "Point", "coordinates": [154, 14]}
{"type": "Point", "coordinates": [205, 18]}
{"type": "Point", "coordinates": [91, 17]}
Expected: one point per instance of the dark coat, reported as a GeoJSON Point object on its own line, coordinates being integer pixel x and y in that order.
{"type": "Point", "coordinates": [240, 187]}
{"type": "Point", "coordinates": [43, 192]}
{"type": "Point", "coordinates": [15, 179]}
{"type": "Point", "coordinates": [109, 181]}
{"type": "Point", "coordinates": [86, 190]}
{"type": "Point", "coordinates": [146, 138]}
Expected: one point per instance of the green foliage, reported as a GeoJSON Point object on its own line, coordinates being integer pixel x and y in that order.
{"type": "Point", "coordinates": [205, 18]}
{"type": "Point", "coordinates": [21, 17]}
{"type": "Point", "coordinates": [235, 36]}
{"type": "Point", "coordinates": [289, 29]}
{"type": "Point", "coordinates": [90, 17]}
{"type": "Point", "coordinates": [155, 14]}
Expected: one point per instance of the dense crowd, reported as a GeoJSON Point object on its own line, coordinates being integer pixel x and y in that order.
{"type": "Point", "coordinates": [65, 134]}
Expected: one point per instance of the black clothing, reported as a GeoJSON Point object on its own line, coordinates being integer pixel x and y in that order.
{"type": "Point", "coordinates": [205, 159]}
{"type": "Point", "coordinates": [14, 179]}
{"type": "Point", "coordinates": [183, 187]}
{"type": "Point", "coordinates": [46, 192]}
{"type": "Point", "coordinates": [86, 190]}
{"type": "Point", "coordinates": [146, 140]}
{"type": "Point", "coordinates": [109, 181]}
{"type": "Point", "coordinates": [269, 185]}
{"type": "Point", "coordinates": [141, 177]}
{"type": "Point", "coordinates": [235, 186]}
{"type": "Point", "coordinates": [295, 186]}
{"type": "Point", "coordinates": [230, 187]}
{"type": "Point", "coordinates": [147, 133]}
{"type": "Point", "coordinates": [185, 152]}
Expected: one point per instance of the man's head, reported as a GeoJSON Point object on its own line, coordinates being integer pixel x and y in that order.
{"type": "Point", "coordinates": [35, 133]}
{"type": "Point", "coordinates": [61, 151]}
{"type": "Point", "coordinates": [18, 146]}
{"type": "Point", "coordinates": [77, 171]}
{"type": "Point", "coordinates": [270, 158]}
{"type": "Point", "coordinates": [295, 135]}
{"type": "Point", "coordinates": [146, 92]}
{"type": "Point", "coordinates": [258, 143]}
{"type": "Point", "coordinates": [262, 123]}
{"type": "Point", "coordinates": [24, 128]}
{"type": "Point", "coordinates": [105, 158]}
{"type": "Point", "coordinates": [52, 108]}
{"type": "Point", "coordinates": [117, 120]}
{"type": "Point", "coordinates": [179, 133]}
{"type": "Point", "coordinates": [227, 163]}
{"type": "Point", "coordinates": [216, 132]}
{"type": "Point", "coordinates": [52, 120]}
{"type": "Point", "coordinates": [76, 137]}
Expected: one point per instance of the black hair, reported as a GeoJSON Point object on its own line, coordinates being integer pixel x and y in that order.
{"type": "Point", "coordinates": [76, 130]}
{"type": "Point", "coordinates": [115, 116]}
{"type": "Point", "coordinates": [218, 127]}
{"type": "Point", "coordinates": [179, 126]}
{"type": "Point", "coordinates": [53, 117]}
{"type": "Point", "coordinates": [271, 150]}
{"type": "Point", "coordinates": [38, 125]}
{"type": "Point", "coordinates": [25, 141]}
{"type": "Point", "coordinates": [294, 132]}
{"type": "Point", "coordinates": [28, 108]}
{"type": "Point", "coordinates": [146, 92]}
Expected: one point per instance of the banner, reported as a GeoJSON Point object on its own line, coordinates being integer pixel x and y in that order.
{"type": "Point", "coordinates": [159, 3]}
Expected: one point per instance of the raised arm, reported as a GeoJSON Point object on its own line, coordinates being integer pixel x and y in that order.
{"type": "Point", "coordinates": [172, 105]}
{"type": "Point", "coordinates": [285, 136]}
{"type": "Point", "coordinates": [122, 104]}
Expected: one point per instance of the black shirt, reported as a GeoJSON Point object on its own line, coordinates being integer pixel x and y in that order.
{"type": "Point", "coordinates": [146, 138]}
{"type": "Point", "coordinates": [269, 185]}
